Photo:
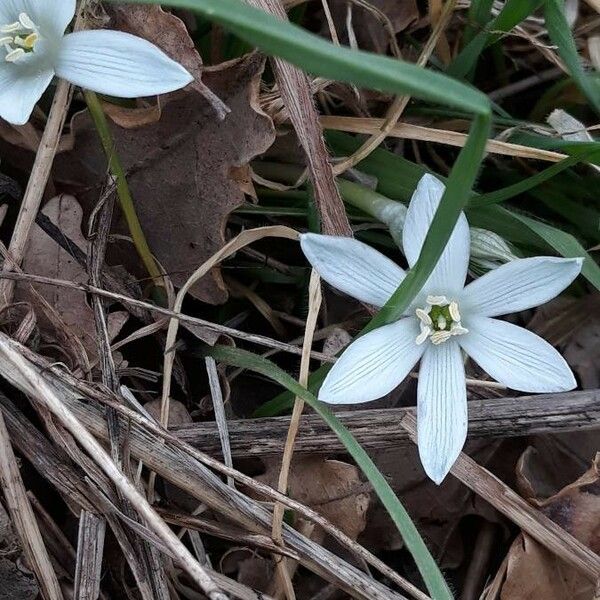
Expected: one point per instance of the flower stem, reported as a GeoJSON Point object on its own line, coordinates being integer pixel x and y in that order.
{"type": "Point", "coordinates": [123, 191]}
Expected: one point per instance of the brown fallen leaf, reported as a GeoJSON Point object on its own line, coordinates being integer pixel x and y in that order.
{"type": "Point", "coordinates": [331, 487]}
{"type": "Point", "coordinates": [170, 34]}
{"type": "Point", "coordinates": [532, 571]}
{"type": "Point", "coordinates": [179, 172]}
{"type": "Point", "coordinates": [45, 257]}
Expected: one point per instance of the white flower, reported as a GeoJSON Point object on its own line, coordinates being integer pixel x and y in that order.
{"type": "Point", "coordinates": [445, 317]}
{"type": "Point", "coordinates": [34, 48]}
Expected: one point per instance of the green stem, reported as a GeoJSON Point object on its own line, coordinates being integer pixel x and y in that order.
{"type": "Point", "coordinates": [123, 193]}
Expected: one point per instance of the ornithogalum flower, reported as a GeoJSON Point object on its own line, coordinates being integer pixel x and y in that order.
{"type": "Point", "coordinates": [32, 37]}
{"type": "Point", "coordinates": [445, 319]}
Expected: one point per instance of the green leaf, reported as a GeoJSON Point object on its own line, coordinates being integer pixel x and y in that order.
{"type": "Point", "coordinates": [560, 34]}
{"type": "Point", "coordinates": [456, 195]}
{"type": "Point", "coordinates": [535, 180]}
{"type": "Point", "coordinates": [320, 57]}
{"type": "Point", "coordinates": [513, 12]}
{"type": "Point", "coordinates": [430, 572]}
{"type": "Point", "coordinates": [564, 244]}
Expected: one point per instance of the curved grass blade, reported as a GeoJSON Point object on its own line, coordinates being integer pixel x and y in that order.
{"type": "Point", "coordinates": [530, 182]}
{"type": "Point", "coordinates": [430, 572]}
{"type": "Point", "coordinates": [513, 12]}
{"type": "Point", "coordinates": [564, 243]}
{"type": "Point", "coordinates": [560, 34]}
{"type": "Point", "coordinates": [320, 57]}
{"type": "Point", "coordinates": [458, 192]}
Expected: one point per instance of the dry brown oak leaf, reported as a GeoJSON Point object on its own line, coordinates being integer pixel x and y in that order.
{"type": "Point", "coordinates": [183, 172]}
{"type": "Point", "coordinates": [331, 487]}
{"type": "Point", "coordinates": [532, 571]}
{"type": "Point", "coordinates": [169, 33]}
{"type": "Point", "coordinates": [45, 257]}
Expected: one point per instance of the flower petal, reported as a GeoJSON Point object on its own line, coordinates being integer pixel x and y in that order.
{"type": "Point", "coordinates": [352, 267]}
{"type": "Point", "coordinates": [118, 64]}
{"type": "Point", "coordinates": [450, 273]}
{"type": "Point", "coordinates": [441, 409]}
{"type": "Point", "coordinates": [52, 17]}
{"type": "Point", "coordinates": [519, 284]}
{"type": "Point", "coordinates": [21, 86]}
{"type": "Point", "coordinates": [516, 357]}
{"type": "Point", "coordinates": [373, 365]}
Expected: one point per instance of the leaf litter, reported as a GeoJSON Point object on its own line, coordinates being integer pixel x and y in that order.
{"type": "Point", "coordinates": [191, 160]}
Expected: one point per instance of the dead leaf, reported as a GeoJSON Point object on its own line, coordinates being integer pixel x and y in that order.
{"type": "Point", "coordinates": [534, 572]}
{"type": "Point", "coordinates": [132, 118]}
{"type": "Point", "coordinates": [178, 413]}
{"type": "Point", "coordinates": [45, 257]}
{"type": "Point", "coordinates": [179, 172]}
{"type": "Point", "coordinates": [331, 487]}
{"type": "Point", "coordinates": [170, 34]}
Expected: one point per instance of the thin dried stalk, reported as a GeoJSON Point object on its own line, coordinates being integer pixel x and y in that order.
{"type": "Point", "coordinates": [219, 410]}
{"type": "Point", "coordinates": [295, 89]}
{"type": "Point", "coordinates": [429, 134]}
{"type": "Point", "coordinates": [510, 504]}
{"type": "Point", "coordinates": [314, 305]}
{"type": "Point", "coordinates": [243, 239]}
{"type": "Point", "coordinates": [149, 563]}
{"type": "Point", "coordinates": [25, 376]}
{"type": "Point", "coordinates": [36, 185]}
{"type": "Point", "coordinates": [129, 301]}
{"type": "Point", "coordinates": [236, 244]}
{"type": "Point", "coordinates": [90, 548]}
{"type": "Point", "coordinates": [24, 520]}
{"type": "Point", "coordinates": [186, 468]}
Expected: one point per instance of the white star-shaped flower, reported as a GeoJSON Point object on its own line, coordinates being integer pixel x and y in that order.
{"type": "Point", "coordinates": [445, 319]}
{"type": "Point", "coordinates": [34, 48]}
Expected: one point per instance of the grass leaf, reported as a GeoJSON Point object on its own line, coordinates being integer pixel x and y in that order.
{"type": "Point", "coordinates": [560, 34]}
{"type": "Point", "coordinates": [430, 572]}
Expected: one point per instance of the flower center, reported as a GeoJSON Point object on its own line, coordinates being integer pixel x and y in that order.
{"type": "Point", "coordinates": [19, 38]}
{"type": "Point", "coordinates": [439, 320]}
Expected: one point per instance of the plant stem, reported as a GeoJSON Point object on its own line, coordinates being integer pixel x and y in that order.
{"type": "Point", "coordinates": [36, 185]}
{"type": "Point", "coordinates": [123, 192]}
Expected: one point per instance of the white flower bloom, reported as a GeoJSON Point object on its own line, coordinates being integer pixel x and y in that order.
{"type": "Point", "coordinates": [445, 317]}
{"type": "Point", "coordinates": [32, 36]}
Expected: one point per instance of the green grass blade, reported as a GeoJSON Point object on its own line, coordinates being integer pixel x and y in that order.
{"type": "Point", "coordinates": [513, 12]}
{"type": "Point", "coordinates": [458, 192]}
{"type": "Point", "coordinates": [434, 580]}
{"type": "Point", "coordinates": [320, 57]}
{"type": "Point", "coordinates": [564, 244]}
{"type": "Point", "coordinates": [560, 34]}
{"type": "Point", "coordinates": [480, 13]}
{"type": "Point", "coordinates": [530, 182]}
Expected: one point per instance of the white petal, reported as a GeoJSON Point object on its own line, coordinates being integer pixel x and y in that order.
{"type": "Point", "coordinates": [450, 273]}
{"type": "Point", "coordinates": [373, 365]}
{"type": "Point", "coordinates": [21, 86]}
{"type": "Point", "coordinates": [519, 284]}
{"type": "Point", "coordinates": [441, 409]}
{"type": "Point", "coordinates": [516, 357]}
{"type": "Point", "coordinates": [51, 16]}
{"type": "Point", "coordinates": [118, 64]}
{"type": "Point", "coordinates": [352, 267]}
